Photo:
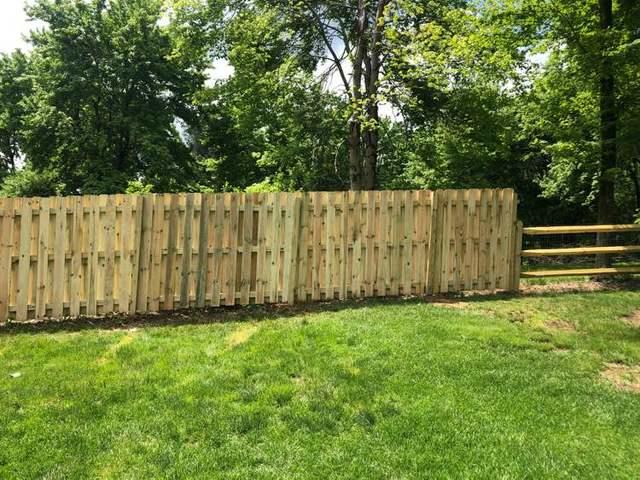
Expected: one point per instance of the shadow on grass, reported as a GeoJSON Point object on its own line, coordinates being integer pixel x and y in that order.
{"type": "Point", "coordinates": [272, 311]}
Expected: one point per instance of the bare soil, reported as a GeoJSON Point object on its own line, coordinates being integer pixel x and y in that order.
{"type": "Point", "coordinates": [633, 319]}
{"type": "Point", "coordinates": [622, 377]}
{"type": "Point", "coordinates": [579, 286]}
{"type": "Point", "coordinates": [259, 312]}
{"type": "Point", "coordinates": [560, 325]}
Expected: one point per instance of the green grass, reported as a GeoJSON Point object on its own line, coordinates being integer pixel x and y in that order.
{"type": "Point", "coordinates": [397, 389]}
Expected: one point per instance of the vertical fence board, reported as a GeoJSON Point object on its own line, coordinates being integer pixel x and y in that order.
{"type": "Point", "coordinates": [155, 271]}
{"type": "Point", "coordinates": [370, 267]}
{"type": "Point", "coordinates": [172, 252]}
{"type": "Point", "coordinates": [302, 268]}
{"type": "Point", "coordinates": [356, 240]}
{"type": "Point", "coordinates": [420, 258]}
{"type": "Point", "coordinates": [330, 246]}
{"type": "Point", "coordinates": [382, 235]}
{"type": "Point", "coordinates": [458, 259]}
{"type": "Point", "coordinates": [108, 233]}
{"type": "Point", "coordinates": [508, 235]}
{"type": "Point", "coordinates": [316, 257]}
{"type": "Point", "coordinates": [145, 213]}
{"type": "Point", "coordinates": [493, 249]}
{"type": "Point", "coordinates": [291, 249]}
{"type": "Point", "coordinates": [6, 247]}
{"type": "Point", "coordinates": [187, 251]}
{"type": "Point", "coordinates": [136, 252]}
{"type": "Point", "coordinates": [407, 243]}
{"type": "Point", "coordinates": [247, 247]}
{"type": "Point", "coordinates": [42, 259]}
{"type": "Point", "coordinates": [126, 230]}
{"type": "Point", "coordinates": [261, 259]}
{"type": "Point", "coordinates": [203, 251]}
{"type": "Point", "coordinates": [91, 204]}
{"type": "Point", "coordinates": [216, 259]}
{"type": "Point", "coordinates": [232, 267]}
{"type": "Point", "coordinates": [22, 290]}
{"type": "Point", "coordinates": [436, 242]}
{"type": "Point", "coordinates": [343, 245]}
{"type": "Point", "coordinates": [76, 268]}
{"type": "Point", "coordinates": [59, 259]}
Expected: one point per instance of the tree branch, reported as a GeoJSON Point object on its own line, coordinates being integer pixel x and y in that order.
{"type": "Point", "coordinates": [327, 41]}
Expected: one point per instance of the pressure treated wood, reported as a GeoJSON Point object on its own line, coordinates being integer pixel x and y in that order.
{"type": "Point", "coordinates": [581, 229]}
{"type": "Point", "coordinates": [574, 251]}
{"type": "Point", "coordinates": [548, 252]}
{"type": "Point", "coordinates": [581, 272]}
{"type": "Point", "coordinates": [96, 255]}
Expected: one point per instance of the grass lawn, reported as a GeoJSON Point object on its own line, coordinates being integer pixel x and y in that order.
{"type": "Point", "coordinates": [492, 387]}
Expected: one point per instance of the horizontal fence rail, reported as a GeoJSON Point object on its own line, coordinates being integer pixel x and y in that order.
{"type": "Point", "coordinates": [95, 255]}
{"type": "Point", "coordinates": [580, 251]}
{"type": "Point", "coordinates": [581, 229]}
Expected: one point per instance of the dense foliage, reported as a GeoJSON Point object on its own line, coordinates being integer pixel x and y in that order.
{"type": "Point", "coordinates": [541, 96]}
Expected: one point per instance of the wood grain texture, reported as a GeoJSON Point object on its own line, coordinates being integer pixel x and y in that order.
{"type": "Point", "coordinates": [96, 255]}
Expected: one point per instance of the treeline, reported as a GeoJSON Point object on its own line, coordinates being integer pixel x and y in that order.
{"type": "Point", "coordinates": [539, 95]}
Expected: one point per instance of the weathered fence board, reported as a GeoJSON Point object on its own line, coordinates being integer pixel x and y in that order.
{"type": "Point", "coordinates": [103, 254]}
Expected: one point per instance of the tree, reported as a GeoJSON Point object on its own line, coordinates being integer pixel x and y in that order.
{"type": "Point", "coordinates": [608, 119]}
{"type": "Point", "coordinates": [596, 46]}
{"type": "Point", "coordinates": [349, 36]}
{"type": "Point", "coordinates": [110, 81]}
{"type": "Point", "coordinates": [270, 125]}
{"type": "Point", "coordinates": [459, 82]}
{"type": "Point", "coordinates": [15, 86]}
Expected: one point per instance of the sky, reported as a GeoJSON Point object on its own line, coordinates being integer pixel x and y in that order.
{"type": "Point", "coordinates": [13, 25]}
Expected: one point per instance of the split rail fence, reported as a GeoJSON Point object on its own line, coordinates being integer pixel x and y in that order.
{"type": "Point", "coordinates": [580, 251]}
{"type": "Point", "coordinates": [95, 255]}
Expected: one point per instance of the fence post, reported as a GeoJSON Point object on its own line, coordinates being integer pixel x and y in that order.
{"type": "Point", "coordinates": [435, 242]}
{"type": "Point", "coordinates": [517, 258]}
{"type": "Point", "coordinates": [6, 244]}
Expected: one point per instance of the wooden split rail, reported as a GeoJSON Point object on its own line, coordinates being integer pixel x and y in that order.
{"type": "Point", "coordinates": [95, 255]}
{"type": "Point", "coordinates": [578, 251]}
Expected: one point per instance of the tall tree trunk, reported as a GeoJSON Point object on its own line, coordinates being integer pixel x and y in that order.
{"type": "Point", "coordinates": [353, 144]}
{"type": "Point", "coordinates": [608, 119]}
{"type": "Point", "coordinates": [372, 78]}
{"type": "Point", "coordinates": [633, 173]}
{"type": "Point", "coordinates": [355, 129]}
{"type": "Point", "coordinates": [370, 160]}
{"type": "Point", "coordinates": [371, 150]}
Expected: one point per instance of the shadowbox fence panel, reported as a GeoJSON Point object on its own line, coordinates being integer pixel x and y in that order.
{"type": "Point", "coordinates": [94, 255]}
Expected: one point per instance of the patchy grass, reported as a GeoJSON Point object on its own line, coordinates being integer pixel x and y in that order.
{"type": "Point", "coordinates": [241, 335]}
{"type": "Point", "coordinates": [623, 377]}
{"type": "Point", "coordinates": [490, 388]}
{"type": "Point", "coordinates": [633, 319]}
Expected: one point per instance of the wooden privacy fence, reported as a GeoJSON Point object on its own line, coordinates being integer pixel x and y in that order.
{"type": "Point", "coordinates": [94, 255]}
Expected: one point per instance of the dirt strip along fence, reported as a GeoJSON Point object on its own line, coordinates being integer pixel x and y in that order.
{"type": "Point", "coordinates": [95, 255]}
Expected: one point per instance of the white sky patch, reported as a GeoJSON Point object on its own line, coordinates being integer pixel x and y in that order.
{"type": "Point", "coordinates": [221, 69]}
{"type": "Point", "coordinates": [331, 76]}
{"type": "Point", "coordinates": [539, 59]}
{"type": "Point", "coordinates": [14, 26]}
